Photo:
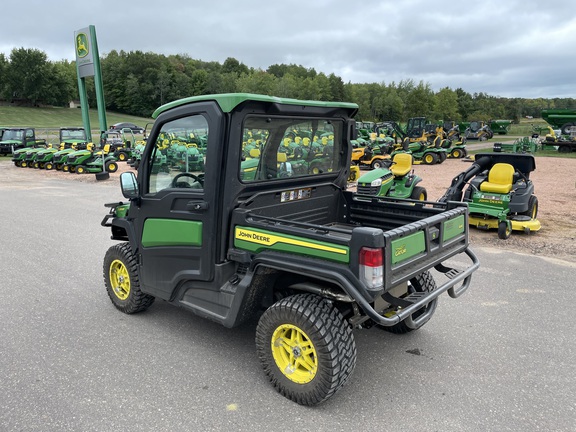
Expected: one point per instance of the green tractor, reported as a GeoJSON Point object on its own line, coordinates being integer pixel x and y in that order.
{"type": "Point", "coordinates": [71, 140]}
{"type": "Point", "coordinates": [424, 141]}
{"type": "Point", "coordinates": [499, 193]}
{"type": "Point", "coordinates": [24, 157]}
{"type": "Point", "coordinates": [396, 180]}
{"type": "Point", "coordinates": [88, 161]}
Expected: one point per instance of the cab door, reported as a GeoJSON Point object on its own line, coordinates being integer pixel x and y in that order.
{"type": "Point", "coordinates": [176, 221]}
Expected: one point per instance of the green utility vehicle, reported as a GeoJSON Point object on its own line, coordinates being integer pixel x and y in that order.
{"type": "Point", "coordinates": [14, 139]}
{"type": "Point", "coordinates": [307, 258]}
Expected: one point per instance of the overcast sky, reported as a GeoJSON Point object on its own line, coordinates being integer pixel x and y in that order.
{"type": "Point", "coordinates": [510, 48]}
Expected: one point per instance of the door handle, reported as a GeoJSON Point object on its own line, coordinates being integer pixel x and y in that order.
{"type": "Point", "coordinates": [196, 205]}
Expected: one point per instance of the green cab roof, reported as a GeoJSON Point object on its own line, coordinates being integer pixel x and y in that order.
{"type": "Point", "coordinates": [229, 101]}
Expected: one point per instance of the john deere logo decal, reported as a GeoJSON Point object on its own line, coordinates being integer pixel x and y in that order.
{"type": "Point", "coordinates": [81, 45]}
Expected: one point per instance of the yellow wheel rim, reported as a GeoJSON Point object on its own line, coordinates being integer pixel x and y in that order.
{"type": "Point", "coordinates": [119, 279]}
{"type": "Point", "coordinates": [294, 354]}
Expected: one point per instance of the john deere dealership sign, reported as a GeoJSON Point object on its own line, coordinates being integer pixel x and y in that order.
{"type": "Point", "coordinates": [84, 52]}
{"type": "Point", "coordinates": [87, 65]}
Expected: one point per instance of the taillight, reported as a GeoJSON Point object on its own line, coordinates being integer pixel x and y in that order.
{"type": "Point", "coordinates": [371, 267]}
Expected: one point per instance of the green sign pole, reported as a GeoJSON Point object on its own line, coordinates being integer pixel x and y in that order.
{"type": "Point", "coordinates": [84, 106]}
{"type": "Point", "coordinates": [98, 82]}
{"type": "Point", "coordinates": [88, 64]}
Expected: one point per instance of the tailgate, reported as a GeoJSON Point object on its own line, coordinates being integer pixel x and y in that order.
{"type": "Point", "coordinates": [417, 235]}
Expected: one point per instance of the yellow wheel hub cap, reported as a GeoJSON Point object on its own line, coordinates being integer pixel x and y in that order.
{"type": "Point", "coordinates": [119, 279]}
{"type": "Point", "coordinates": [294, 354]}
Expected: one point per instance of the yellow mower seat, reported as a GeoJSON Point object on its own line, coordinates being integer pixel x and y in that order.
{"type": "Point", "coordinates": [402, 164]}
{"type": "Point", "coordinates": [500, 179]}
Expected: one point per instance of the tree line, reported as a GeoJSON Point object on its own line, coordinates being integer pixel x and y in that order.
{"type": "Point", "coordinates": [136, 83]}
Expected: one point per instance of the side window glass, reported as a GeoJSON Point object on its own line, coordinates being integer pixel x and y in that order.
{"type": "Point", "coordinates": [179, 158]}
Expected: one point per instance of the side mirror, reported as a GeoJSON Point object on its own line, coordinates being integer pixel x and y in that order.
{"type": "Point", "coordinates": [129, 185]}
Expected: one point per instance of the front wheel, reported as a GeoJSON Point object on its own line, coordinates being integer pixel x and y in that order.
{"type": "Point", "coordinates": [122, 282]}
{"type": "Point", "coordinates": [503, 230]}
{"type": "Point", "coordinates": [306, 348]}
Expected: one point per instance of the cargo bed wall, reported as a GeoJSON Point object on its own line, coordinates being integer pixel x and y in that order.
{"type": "Point", "coordinates": [319, 205]}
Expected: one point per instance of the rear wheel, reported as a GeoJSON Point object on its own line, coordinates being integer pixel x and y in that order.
{"type": "Point", "coordinates": [456, 154]}
{"type": "Point", "coordinates": [121, 280]}
{"type": "Point", "coordinates": [111, 167]}
{"type": "Point", "coordinates": [306, 348]}
{"type": "Point", "coordinates": [566, 128]}
{"type": "Point", "coordinates": [430, 158]}
{"type": "Point", "coordinates": [532, 207]}
{"type": "Point", "coordinates": [419, 193]}
{"type": "Point", "coordinates": [122, 156]}
{"type": "Point", "coordinates": [424, 282]}
{"type": "Point", "coordinates": [378, 163]}
{"type": "Point", "coordinates": [503, 230]}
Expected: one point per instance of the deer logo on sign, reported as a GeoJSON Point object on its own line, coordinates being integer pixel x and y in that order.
{"type": "Point", "coordinates": [81, 45]}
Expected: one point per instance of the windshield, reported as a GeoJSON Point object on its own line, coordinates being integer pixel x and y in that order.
{"type": "Point", "coordinates": [287, 147]}
{"type": "Point", "coordinates": [13, 135]}
{"type": "Point", "coordinates": [72, 134]}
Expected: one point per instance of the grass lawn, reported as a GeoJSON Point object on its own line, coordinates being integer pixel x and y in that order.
{"type": "Point", "coordinates": [47, 121]}
{"type": "Point", "coordinates": [59, 117]}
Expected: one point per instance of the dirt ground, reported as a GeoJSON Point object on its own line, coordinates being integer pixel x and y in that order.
{"type": "Point", "coordinates": [555, 187]}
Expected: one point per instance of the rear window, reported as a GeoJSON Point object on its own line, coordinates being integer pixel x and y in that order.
{"type": "Point", "coordinates": [276, 147]}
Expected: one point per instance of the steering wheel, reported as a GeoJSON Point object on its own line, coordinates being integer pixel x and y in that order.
{"type": "Point", "coordinates": [183, 184]}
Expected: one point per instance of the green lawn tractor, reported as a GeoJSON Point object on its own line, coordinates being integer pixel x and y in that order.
{"type": "Point", "coordinates": [396, 181]}
{"type": "Point", "coordinates": [499, 193]}
{"type": "Point", "coordinates": [87, 161]}
{"type": "Point", "coordinates": [424, 152]}
{"type": "Point", "coordinates": [24, 157]}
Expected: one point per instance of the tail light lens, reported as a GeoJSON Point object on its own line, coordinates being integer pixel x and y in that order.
{"type": "Point", "coordinates": [371, 267]}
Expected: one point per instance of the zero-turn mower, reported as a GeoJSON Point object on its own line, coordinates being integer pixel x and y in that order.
{"type": "Point", "coordinates": [499, 193]}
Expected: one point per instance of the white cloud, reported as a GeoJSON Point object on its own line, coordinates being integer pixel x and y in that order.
{"type": "Point", "coordinates": [509, 48]}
